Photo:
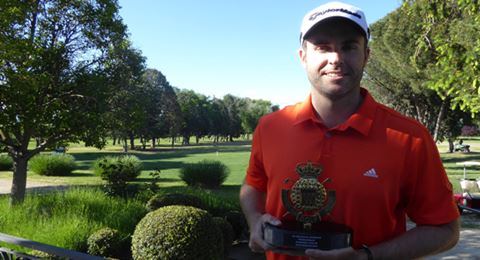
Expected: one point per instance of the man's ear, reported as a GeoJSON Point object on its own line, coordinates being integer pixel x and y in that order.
{"type": "Point", "coordinates": [367, 56]}
{"type": "Point", "coordinates": [302, 53]}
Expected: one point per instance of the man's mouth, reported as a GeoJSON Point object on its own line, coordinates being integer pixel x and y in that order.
{"type": "Point", "coordinates": [335, 74]}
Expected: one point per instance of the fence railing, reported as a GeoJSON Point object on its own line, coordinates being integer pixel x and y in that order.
{"type": "Point", "coordinates": [6, 253]}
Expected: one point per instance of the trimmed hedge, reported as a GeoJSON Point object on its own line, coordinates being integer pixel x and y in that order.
{"type": "Point", "coordinates": [52, 164]}
{"type": "Point", "coordinates": [162, 200]}
{"type": "Point", "coordinates": [205, 174]}
{"type": "Point", "coordinates": [227, 234]}
{"type": "Point", "coordinates": [177, 232]}
{"type": "Point", "coordinates": [106, 242]}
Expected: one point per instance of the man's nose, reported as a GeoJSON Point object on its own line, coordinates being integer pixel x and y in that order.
{"type": "Point", "coordinates": [335, 57]}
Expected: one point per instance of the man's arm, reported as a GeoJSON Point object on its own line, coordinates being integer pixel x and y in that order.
{"type": "Point", "coordinates": [252, 202]}
{"type": "Point", "coordinates": [418, 242]}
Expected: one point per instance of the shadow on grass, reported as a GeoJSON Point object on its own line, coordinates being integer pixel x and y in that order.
{"type": "Point", "coordinates": [80, 174]}
{"type": "Point", "coordinates": [162, 165]}
{"type": "Point", "coordinates": [161, 180]}
{"type": "Point", "coordinates": [461, 157]}
{"type": "Point", "coordinates": [228, 192]}
{"type": "Point", "coordinates": [155, 159]}
{"type": "Point", "coordinates": [159, 154]}
{"type": "Point", "coordinates": [147, 165]}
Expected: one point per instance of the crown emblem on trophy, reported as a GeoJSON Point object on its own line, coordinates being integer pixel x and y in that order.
{"type": "Point", "coordinates": [308, 199]}
{"type": "Point", "coordinates": [308, 170]}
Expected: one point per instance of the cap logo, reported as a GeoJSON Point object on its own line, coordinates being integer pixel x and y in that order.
{"type": "Point", "coordinates": [316, 14]}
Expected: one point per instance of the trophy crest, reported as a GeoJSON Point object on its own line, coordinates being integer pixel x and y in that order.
{"type": "Point", "coordinates": [308, 200]}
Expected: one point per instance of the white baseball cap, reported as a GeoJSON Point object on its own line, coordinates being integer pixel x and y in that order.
{"type": "Point", "coordinates": [330, 10]}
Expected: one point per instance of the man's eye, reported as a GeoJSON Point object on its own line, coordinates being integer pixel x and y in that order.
{"type": "Point", "coordinates": [322, 48]}
{"type": "Point", "coordinates": [350, 47]}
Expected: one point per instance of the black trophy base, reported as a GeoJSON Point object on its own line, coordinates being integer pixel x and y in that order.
{"type": "Point", "coordinates": [324, 236]}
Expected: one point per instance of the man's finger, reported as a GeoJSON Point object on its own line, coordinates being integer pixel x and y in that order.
{"type": "Point", "coordinates": [267, 218]}
{"type": "Point", "coordinates": [314, 253]}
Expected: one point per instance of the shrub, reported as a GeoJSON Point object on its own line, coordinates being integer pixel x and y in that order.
{"type": "Point", "coordinates": [117, 171]}
{"type": "Point", "coordinates": [177, 232]}
{"type": "Point", "coordinates": [6, 162]}
{"type": "Point", "coordinates": [217, 203]}
{"type": "Point", "coordinates": [127, 167]}
{"type": "Point", "coordinates": [162, 200]}
{"type": "Point", "coordinates": [155, 177]}
{"type": "Point", "coordinates": [52, 164]}
{"type": "Point", "coordinates": [227, 234]}
{"type": "Point", "coordinates": [469, 130]}
{"type": "Point", "coordinates": [206, 174]}
{"type": "Point", "coordinates": [239, 224]}
{"type": "Point", "coordinates": [105, 242]}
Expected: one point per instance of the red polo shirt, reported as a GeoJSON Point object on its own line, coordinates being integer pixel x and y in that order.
{"type": "Point", "coordinates": [381, 164]}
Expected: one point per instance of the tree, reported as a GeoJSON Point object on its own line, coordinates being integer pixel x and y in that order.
{"type": "Point", "coordinates": [124, 68]}
{"type": "Point", "coordinates": [194, 108]}
{"type": "Point", "coordinates": [234, 105]}
{"type": "Point", "coordinates": [254, 109]}
{"type": "Point", "coordinates": [394, 78]}
{"type": "Point", "coordinates": [52, 83]}
{"type": "Point", "coordinates": [218, 116]}
{"type": "Point", "coordinates": [163, 111]}
{"type": "Point", "coordinates": [450, 33]}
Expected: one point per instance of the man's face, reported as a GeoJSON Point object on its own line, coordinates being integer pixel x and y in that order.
{"type": "Point", "coordinates": [334, 57]}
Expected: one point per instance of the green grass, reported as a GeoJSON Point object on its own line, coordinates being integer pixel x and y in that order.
{"type": "Point", "coordinates": [168, 160]}
{"type": "Point", "coordinates": [450, 160]}
{"type": "Point", "coordinates": [235, 156]}
{"type": "Point", "coordinates": [67, 219]}
{"type": "Point", "coordinates": [72, 228]}
{"type": "Point", "coordinates": [78, 213]}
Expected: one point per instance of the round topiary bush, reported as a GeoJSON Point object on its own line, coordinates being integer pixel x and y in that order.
{"type": "Point", "coordinates": [204, 174]}
{"type": "Point", "coordinates": [239, 224]}
{"type": "Point", "coordinates": [106, 242]}
{"type": "Point", "coordinates": [52, 164]}
{"type": "Point", "coordinates": [6, 162]}
{"type": "Point", "coordinates": [162, 200]}
{"type": "Point", "coordinates": [177, 232]}
{"type": "Point", "coordinates": [227, 234]}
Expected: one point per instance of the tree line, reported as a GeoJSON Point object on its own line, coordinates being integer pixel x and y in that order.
{"type": "Point", "coordinates": [68, 73]}
{"type": "Point", "coordinates": [155, 110]}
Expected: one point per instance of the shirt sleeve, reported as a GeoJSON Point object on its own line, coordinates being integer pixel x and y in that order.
{"type": "Point", "coordinates": [256, 176]}
{"type": "Point", "coordinates": [430, 195]}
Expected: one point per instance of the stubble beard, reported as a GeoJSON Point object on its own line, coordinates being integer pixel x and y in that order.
{"type": "Point", "coordinates": [335, 89]}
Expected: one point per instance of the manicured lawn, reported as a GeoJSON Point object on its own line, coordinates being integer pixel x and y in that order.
{"type": "Point", "coordinates": [450, 160]}
{"type": "Point", "coordinates": [167, 160]}
{"type": "Point", "coordinates": [235, 155]}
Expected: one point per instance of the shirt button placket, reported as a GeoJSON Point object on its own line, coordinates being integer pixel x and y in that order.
{"type": "Point", "coordinates": [328, 142]}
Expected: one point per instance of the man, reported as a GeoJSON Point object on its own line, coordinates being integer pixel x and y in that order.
{"type": "Point", "coordinates": [381, 165]}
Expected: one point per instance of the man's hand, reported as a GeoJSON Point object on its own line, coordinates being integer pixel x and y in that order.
{"type": "Point", "coordinates": [256, 243]}
{"type": "Point", "coordinates": [344, 253]}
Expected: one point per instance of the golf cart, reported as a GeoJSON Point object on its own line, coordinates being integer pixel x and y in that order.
{"type": "Point", "coordinates": [469, 199]}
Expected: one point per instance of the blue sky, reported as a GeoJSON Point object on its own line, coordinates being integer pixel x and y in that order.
{"type": "Point", "coordinates": [248, 48]}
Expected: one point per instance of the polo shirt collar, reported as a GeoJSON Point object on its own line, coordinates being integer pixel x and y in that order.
{"type": "Point", "coordinates": [361, 120]}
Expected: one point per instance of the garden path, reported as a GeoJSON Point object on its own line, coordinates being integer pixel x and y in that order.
{"type": "Point", "coordinates": [6, 186]}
